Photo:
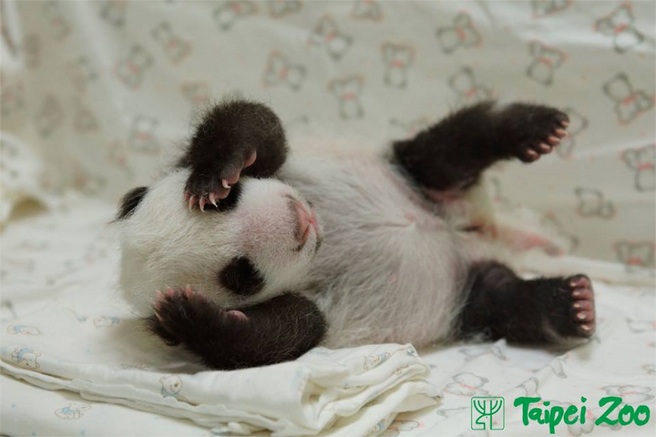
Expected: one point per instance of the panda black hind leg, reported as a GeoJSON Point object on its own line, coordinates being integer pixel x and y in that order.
{"type": "Point", "coordinates": [279, 329]}
{"type": "Point", "coordinates": [234, 138]}
{"type": "Point", "coordinates": [544, 310]}
{"type": "Point", "coordinates": [452, 154]}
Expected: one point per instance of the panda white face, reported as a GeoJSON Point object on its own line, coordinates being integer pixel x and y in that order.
{"type": "Point", "coordinates": [258, 243]}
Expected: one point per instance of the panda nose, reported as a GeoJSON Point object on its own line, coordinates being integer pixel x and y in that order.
{"type": "Point", "coordinates": [305, 221]}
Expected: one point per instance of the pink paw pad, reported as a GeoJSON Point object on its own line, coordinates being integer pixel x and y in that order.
{"type": "Point", "coordinates": [237, 315]}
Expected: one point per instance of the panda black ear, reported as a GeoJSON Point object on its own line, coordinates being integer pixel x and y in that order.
{"type": "Point", "coordinates": [130, 201]}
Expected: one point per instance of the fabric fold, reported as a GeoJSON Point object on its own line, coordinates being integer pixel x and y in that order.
{"type": "Point", "coordinates": [340, 389]}
{"type": "Point", "coordinates": [20, 180]}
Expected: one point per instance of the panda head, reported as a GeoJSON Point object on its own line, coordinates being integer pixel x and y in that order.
{"type": "Point", "coordinates": [258, 243]}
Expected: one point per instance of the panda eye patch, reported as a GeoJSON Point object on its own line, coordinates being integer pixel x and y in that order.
{"type": "Point", "coordinates": [241, 277]}
{"type": "Point", "coordinates": [130, 202]}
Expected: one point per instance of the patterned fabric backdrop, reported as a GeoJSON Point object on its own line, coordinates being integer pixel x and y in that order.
{"type": "Point", "coordinates": [97, 95]}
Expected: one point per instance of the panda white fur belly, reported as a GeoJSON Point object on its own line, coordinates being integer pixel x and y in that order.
{"type": "Point", "coordinates": [390, 269]}
{"type": "Point", "coordinates": [338, 249]}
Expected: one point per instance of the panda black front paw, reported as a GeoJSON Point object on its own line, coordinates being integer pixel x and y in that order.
{"type": "Point", "coordinates": [209, 185]}
{"type": "Point", "coordinates": [231, 136]}
{"type": "Point", "coordinates": [183, 316]}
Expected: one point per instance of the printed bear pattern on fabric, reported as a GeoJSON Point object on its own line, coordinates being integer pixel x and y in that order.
{"type": "Point", "coordinates": [628, 103]}
{"type": "Point", "coordinates": [643, 162]}
{"type": "Point", "coordinates": [171, 385]}
{"type": "Point", "coordinates": [620, 27]}
{"type": "Point", "coordinates": [175, 48]}
{"type": "Point", "coordinates": [280, 70]}
{"type": "Point", "coordinates": [460, 34]}
{"type": "Point", "coordinates": [467, 88]}
{"type": "Point", "coordinates": [26, 357]}
{"type": "Point", "coordinates": [73, 411]}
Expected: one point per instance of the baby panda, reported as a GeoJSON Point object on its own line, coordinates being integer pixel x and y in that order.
{"type": "Point", "coordinates": [248, 255]}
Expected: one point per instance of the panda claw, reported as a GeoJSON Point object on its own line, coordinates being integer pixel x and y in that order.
{"type": "Point", "coordinates": [238, 315]}
{"type": "Point", "coordinates": [234, 178]}
{"type": "Point", "coordinates": [159, 297]}
{"type": "Point", "coordinates": [532, 155]}
{"type": "Point", "coordinates": [251, 159]}
{"type": "Point", "coordinates": [230, 181]}
{"type": "Point", "coordinates": [553, 140]}
{"type": "Point", "coordinates": [192, 202]}
{"type": "Point", "coordinates": [204, 189]}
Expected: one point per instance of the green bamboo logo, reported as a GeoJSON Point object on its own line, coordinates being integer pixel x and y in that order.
{"type": "Point", "coordinates": [487, 412]}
